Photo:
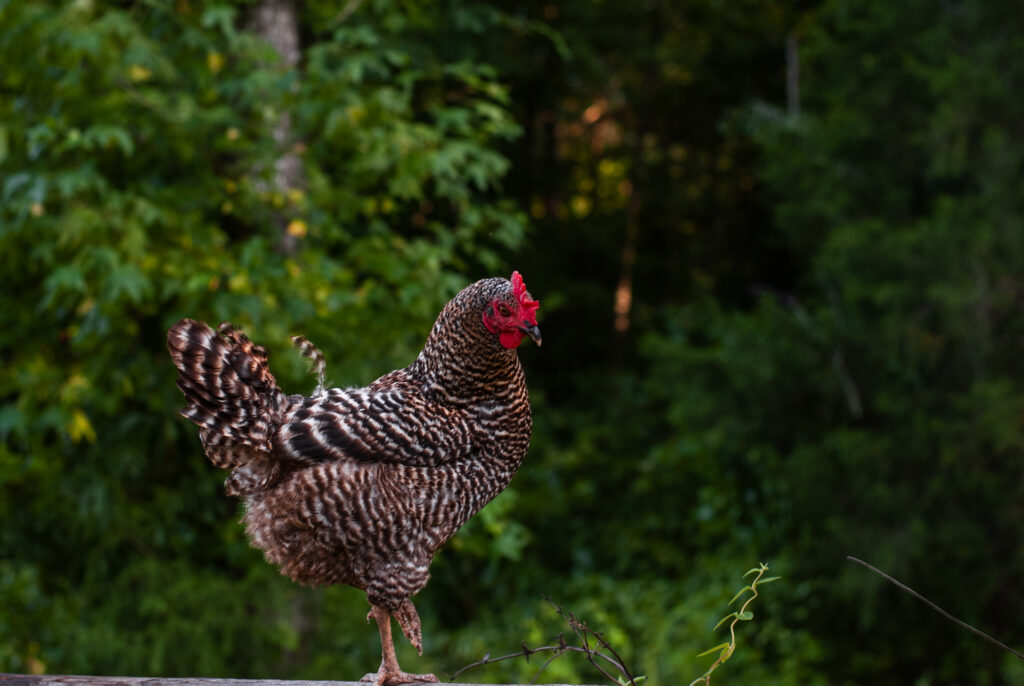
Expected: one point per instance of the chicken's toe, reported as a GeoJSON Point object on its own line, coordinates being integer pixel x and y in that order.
{"type": "Point", "coordinates": [389, 678]}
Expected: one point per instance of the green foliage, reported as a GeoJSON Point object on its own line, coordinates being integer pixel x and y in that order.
{"type": "Point", "coordinates": [822, 356]}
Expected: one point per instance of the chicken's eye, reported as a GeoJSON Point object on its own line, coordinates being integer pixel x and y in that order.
{"type": "Point", "coordinates": [504, 311]}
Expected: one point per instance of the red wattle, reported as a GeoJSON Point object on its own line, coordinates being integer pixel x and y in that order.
{"type": "Point", "coordinates": [511, 339]}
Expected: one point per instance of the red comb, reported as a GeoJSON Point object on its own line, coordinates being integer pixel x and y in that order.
{"type": "Point", "coordinates": [529, 306]}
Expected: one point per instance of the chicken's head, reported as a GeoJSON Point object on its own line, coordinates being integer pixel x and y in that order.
{"type": "Point", "coordinates": [513, 315]}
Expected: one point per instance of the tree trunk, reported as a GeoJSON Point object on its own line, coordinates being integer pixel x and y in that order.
{"type": "Point", "coordinates": [277, 22]}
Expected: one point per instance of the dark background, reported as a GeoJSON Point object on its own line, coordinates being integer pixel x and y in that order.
{"type": "Point", "coordinates": [778, 249]}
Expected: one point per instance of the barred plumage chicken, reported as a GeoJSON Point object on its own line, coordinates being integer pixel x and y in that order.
{"type": "Point", "coordinates": [361, 486]}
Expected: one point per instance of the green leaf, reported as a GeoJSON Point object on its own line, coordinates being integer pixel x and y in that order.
{"type": "Point", "coordinates": [720, 647]}
{"type": "Point", "coordinates": [723, 620]}
{"type": "Point", "coordinates": [739, 594]}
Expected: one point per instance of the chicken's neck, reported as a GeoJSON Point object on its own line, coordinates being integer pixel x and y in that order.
{"type": "Point", "coordinates": [463, 364]}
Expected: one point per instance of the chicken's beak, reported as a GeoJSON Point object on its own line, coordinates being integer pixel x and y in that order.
{"type": "Point", "coordinates": [532, 331]}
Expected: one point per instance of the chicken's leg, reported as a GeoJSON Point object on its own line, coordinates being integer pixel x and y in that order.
{"type": "Point", "coordinates": [389, 673]}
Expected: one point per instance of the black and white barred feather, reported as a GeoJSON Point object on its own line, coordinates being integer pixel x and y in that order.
{"type": "Point", "coordinates": [316, 358]}
{"type": "Point", "coordinates": [361, 486]}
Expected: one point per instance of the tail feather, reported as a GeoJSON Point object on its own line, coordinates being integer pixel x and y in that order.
{"type": "Point", "coordinates": [231, 394]}
{"type": "Point", "coordinates": [316, 359]}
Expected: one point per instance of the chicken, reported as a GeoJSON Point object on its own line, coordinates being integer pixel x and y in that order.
{"type": "Point", "coordinates": [361, 486]}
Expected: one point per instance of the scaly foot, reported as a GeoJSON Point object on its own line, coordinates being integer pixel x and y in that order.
{"type": "Point", "coordinates": [383, 678]}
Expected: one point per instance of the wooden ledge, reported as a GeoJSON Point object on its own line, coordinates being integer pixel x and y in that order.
{"type": "Point", "coordinates": [78, 680]}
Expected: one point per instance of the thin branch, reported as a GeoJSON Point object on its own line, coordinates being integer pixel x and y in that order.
{"type": "Point", "coordinates": [622, 663]}
{"type": "Point", "coordinates": [579, 626]}
{"type": "Point", "coordinates": [347, 11]}
{"type": "Point", "coordinates": [545, 666]}
{"type": "Point", "coordinates": [487, 659]}
{"type": "Point", "coordinates": [936, 607]}
{"type": "Point", "coordinates": [583, 633]}
{"type": "Point", "coordinates": [604, 644]}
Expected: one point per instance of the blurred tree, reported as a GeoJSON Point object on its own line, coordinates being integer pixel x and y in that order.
{"type": "Point", "coordinates": [277, 22]}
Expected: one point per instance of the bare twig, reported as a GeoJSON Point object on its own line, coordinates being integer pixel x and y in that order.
{"type": "Point", "coordinates": [487, 659]}
{"type": "Point", "coordinates": [584, 633]}
{"type": "Point", "coordinates": [936, 607]}
{"type": "Point", "coordinates": [544, 666]}
{"type": "Point", "coordinates": [347, 10]}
